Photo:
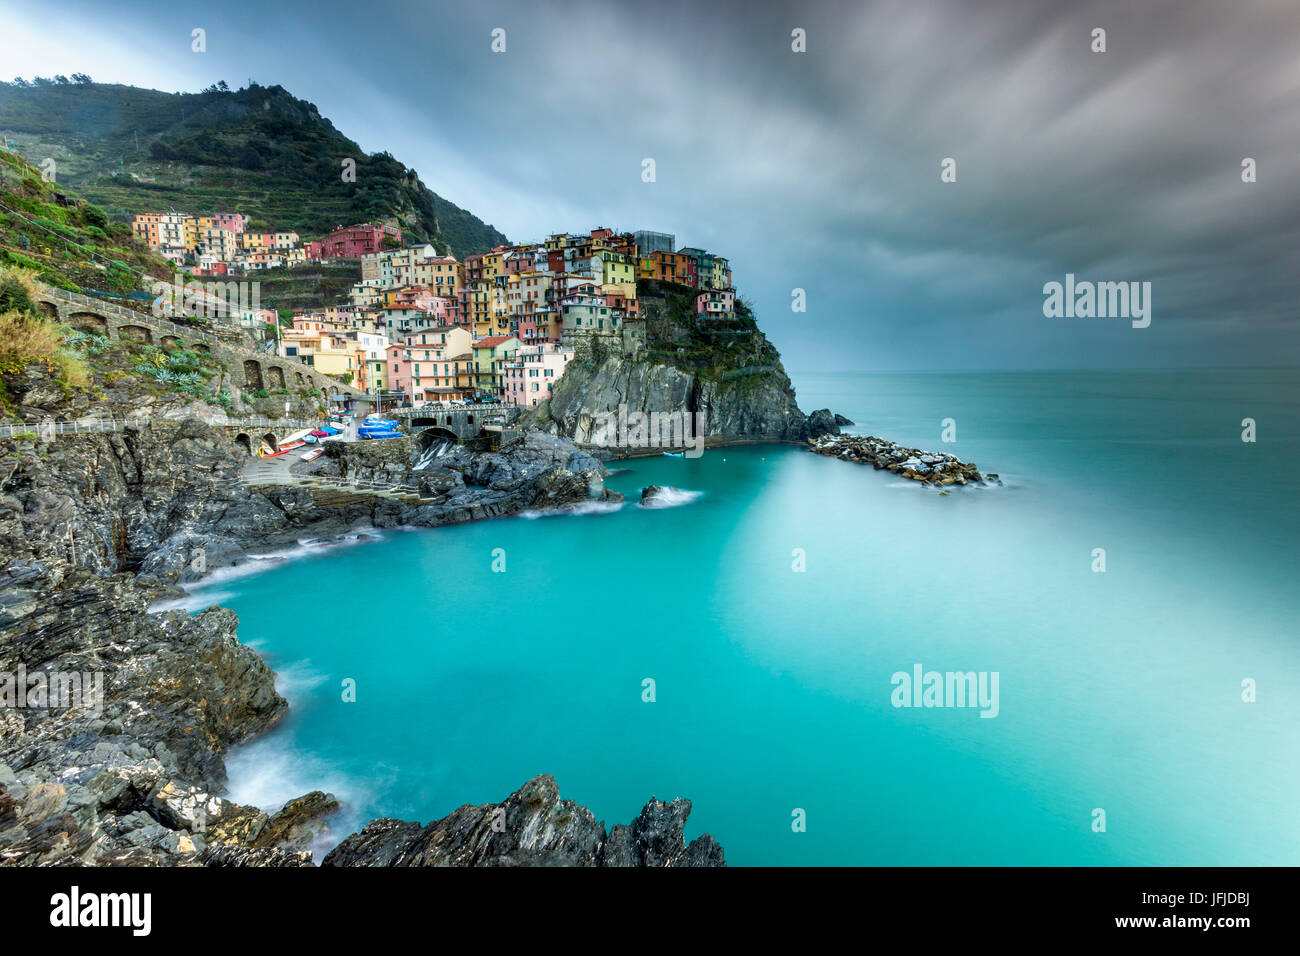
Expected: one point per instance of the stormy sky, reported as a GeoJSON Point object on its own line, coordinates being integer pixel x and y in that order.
{"type": "Point", "coordinates": [819, 170]}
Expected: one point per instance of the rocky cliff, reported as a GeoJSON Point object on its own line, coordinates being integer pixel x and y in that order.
{"type": "Point", "coordinates": [727, 373]}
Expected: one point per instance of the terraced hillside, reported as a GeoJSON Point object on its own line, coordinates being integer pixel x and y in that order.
{"type": "Point", "coordinates": [259, 150]}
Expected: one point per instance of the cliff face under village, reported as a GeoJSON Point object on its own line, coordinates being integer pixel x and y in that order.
{"type": "Point", "coordinates": [727, 373]}
{"type": "Point", "coordinates": [95, 528]}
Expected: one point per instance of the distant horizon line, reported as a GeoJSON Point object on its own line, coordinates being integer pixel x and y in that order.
{"type": "Point", "coordinates": [984, 371]}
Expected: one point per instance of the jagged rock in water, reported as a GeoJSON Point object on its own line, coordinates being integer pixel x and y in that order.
{"type": "Point", "coordinates": [532, 827]}
{"type": "Point", "coordinates": [650, 492]}
{"type": "Point", "coordinates": [822, 422]}
{"type": "Point", "coordinates": [841, 420]}
{"type": "Point", "coordinates": [299, 822]}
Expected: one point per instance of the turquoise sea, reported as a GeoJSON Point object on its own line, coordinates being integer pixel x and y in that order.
{"type": "Point", "coordinates": [1119, 690]}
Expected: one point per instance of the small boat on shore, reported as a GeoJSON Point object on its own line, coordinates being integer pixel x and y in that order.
{"type": "Point", "coordinates": [296, 437]}
{"type": "Point", "coordinates": [312, 455]}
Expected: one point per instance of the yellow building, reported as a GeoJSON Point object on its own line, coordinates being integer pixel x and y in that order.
{"type": "Point", "coordinates": [334, 361]}
{"type": "Point", "coordinates": [490, 357]}
{"type": "Point", "coordinates": [617, 268]}
{"type": "Point", "coordinates": [494, 264]}
{"type": "Point", "coordinates": [490, 308]}
{"type": "Point", "coordinates": [326, 353]}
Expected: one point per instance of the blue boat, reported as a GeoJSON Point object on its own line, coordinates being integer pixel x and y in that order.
{"type": "Point", "coordinates": [378, 431]}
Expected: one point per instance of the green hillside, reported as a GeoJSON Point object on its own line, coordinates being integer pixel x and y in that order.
{"type": "Point", "coordinates": [64, 240]}
{"type": "Point", "coordinates": [258, 151]}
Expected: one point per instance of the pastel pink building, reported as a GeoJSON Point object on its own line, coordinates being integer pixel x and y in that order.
{"type": "Point", "coordinates": [715, 304]}
{"type": "Point", "coordinates": [234, 221]}
{"type": "Point", "coordinates": [532, 373]}
{"type": "Point", "coordinates": [540, 326]}
{"type": "Point", "coordinates": [399, 368]}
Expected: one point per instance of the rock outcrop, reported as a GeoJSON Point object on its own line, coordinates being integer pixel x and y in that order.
{"type": "Point", "coordinates": [535, 471]}
{"type": "Point", "coordinates": [823, 422]}
{"type": "Point", "coordinates": [745, 405]}
{"type": "Point", "coordinates": [531, 827]}
{"type": "Point", "coordinates": [730, 377]}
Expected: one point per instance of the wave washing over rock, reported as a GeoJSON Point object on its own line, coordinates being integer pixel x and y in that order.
{"type": "Point", "coordinates": [666, 496]}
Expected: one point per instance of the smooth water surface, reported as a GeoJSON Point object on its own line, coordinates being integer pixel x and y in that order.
{"type": "Point", "coordinates": [1119, 690]}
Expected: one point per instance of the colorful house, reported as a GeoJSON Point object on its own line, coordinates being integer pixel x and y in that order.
{"type": "Point", "coordinates": [529, 377]}
{"type": "Point", "coordinates": [490, 357]}
{"type": "Point", "coordinates": [715, 304]}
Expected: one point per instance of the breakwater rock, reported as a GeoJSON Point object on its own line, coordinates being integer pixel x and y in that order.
{"type": "Point", "coordinates": [531, 827]}
{"type": "Point", "coordinates": [928, 467]}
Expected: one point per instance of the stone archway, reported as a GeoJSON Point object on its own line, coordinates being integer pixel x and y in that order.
{"type": "Point", "coordinates": [253, 375]}
{"type": "Point", "coordinates": [83, 321]}
{"type": "Point", "coordinates": [169, 342]}
{"type": "Point", "coordinates": [135, 333]}
{"type": "Point", "coordinates": [51, 311]}
{"type": "Point", "coordinates": [271, 441]}
{"type": "Point", "coordinates": [244, 443]}
{"type": "Point", "coordinates": [275, 377]}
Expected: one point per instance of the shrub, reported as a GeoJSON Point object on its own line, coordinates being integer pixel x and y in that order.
{"type": "Point", "coordinates": [25, 337]}
{"type": "Point", "coordinates": [17, 290]}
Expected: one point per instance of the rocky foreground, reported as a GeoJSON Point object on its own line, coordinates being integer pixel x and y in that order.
{"type": "Point", "coordinates": [95, 528]}
{"type": "Point", "coordinates": [927, 467]}
{"type": "Point", "coordinates": [533, 827]}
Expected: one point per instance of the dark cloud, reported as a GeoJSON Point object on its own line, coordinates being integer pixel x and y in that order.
{"type": "Point", "coordinates": [821, 170]}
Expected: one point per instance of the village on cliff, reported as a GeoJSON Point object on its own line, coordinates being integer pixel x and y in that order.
{"type": "Point", "coordinates": [422, 327]}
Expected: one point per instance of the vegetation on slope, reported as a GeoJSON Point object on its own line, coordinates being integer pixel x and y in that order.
{"type": "Point", "coordinates": [708, 349]}
{"type": "Point", "coordinates": [258, 150]}
{"type": "Point", "coordinates": [63, 240]}
{"type": "Point", "coordinates": [26, 336]}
